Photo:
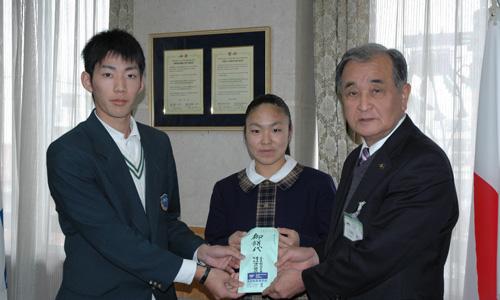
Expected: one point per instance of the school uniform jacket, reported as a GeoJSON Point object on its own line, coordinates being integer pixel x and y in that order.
{"type": "Point", "coordinates": [114, 248]}
{"type": "Point", "coordinates": [303, 204]}
{"type": "Point", "coordinates": [410, 211]}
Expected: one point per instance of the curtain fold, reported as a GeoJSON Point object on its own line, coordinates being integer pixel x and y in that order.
{"type": "Point", "coordinates": [338, 26]}
{"type": "Point", "coordinates": [443, 44]}
{"type": "Point", "coordinates": [42, 98]}
{"type": "Point", "coordinates": [121, 14]}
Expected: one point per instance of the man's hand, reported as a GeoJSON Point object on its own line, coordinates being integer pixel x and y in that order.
{"type": "Point", "coordinates": [298, 258]}
{"type": "Point", "coordinates": [221, 257]}
{"type": "Point", "coordinates": [235, 239]}
{"type": "Point", "coordinates": [287, 284]}
{"type": "Point", "coordinates": [222, 285]}
{"type": "Point", "coordinates": [288, 238]}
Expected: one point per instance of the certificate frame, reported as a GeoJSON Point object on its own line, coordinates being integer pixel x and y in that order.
{"type": "Point", "coordinates": [259, 82]}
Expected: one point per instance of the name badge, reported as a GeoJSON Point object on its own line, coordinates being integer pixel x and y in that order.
{"type": "Point", "coordinates": [353, 228]}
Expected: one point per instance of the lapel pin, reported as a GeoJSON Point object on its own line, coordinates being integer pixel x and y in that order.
{"type": "Point", "coordinates": [164, 202]}
{"type": "Point", "coordinates": [381, 166]}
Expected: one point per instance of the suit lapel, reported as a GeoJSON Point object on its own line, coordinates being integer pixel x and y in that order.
{"type": "Point", "coordinates": [126, 200]}
{"type": "Point", "coordinates": [152, 179]}
{"type": "Point", "coordinates": [379, 167]}
{"type": "Point", "coordinates": [345, 184]}
{"type": "Point", "coordinates": [341, 197]}
{"type": "Point", "coordinates": [376, 172]}
{"type": "Point", "coordinates": [381, 164]}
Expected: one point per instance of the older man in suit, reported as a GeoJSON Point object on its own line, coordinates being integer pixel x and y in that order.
{"type": "Point", "coordinates": [114, 183]}
{"type": "Point", "coordinates": [396, 202]}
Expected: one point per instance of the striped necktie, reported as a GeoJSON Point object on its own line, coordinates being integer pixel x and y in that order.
{"type": "Point", "coordinates": [365, 155]}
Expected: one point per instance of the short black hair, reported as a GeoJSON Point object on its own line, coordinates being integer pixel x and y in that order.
{"type": "Point", "coordinates": [268, 99]}
{"type": "Point", "coordinates": [114, 42]}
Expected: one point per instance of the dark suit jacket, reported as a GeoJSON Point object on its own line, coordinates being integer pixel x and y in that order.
{"type": "Point", "coordinates": [114, 250]}
{"type": "Point", "coordinates": [410, 211]}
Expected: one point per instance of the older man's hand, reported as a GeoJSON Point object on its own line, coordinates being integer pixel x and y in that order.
{"type": "Point", "coordinates": [298, 258]}
{"type": "Point", "coordinates": [287, 284]}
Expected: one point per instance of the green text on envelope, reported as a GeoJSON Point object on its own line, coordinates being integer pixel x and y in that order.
{"type": "Point", "coordinates": [257, 270]}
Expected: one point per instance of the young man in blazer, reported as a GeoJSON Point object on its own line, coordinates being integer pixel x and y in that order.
{"type": "Point", "coordinates": [396, 202]}
{"type": "Point", "coordinates": [114, 183]}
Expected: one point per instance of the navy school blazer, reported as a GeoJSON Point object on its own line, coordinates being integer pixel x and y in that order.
{"type": "Point", "coordinates": [114, 249]}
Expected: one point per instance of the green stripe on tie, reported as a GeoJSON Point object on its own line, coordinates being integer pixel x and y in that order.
{"type": "Point", "coordinates": [136, 171]}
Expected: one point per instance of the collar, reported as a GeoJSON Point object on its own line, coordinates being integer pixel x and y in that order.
{"type": "Point", "coordinates": [246, 185]}
{"type": "Point", "coordinates": [377, 145]}
{"type": "Point", "coordinates": [118, 135]}
{"type": "Point", "coordinates": [256, 178]}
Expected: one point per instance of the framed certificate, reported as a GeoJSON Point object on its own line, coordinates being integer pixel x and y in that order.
{"type": "Point", "coordinates": [232, 79]}
{"type": "Point", "coordinates": [183, 82]}
{"type": "Point", "coordinates": [205, 79]}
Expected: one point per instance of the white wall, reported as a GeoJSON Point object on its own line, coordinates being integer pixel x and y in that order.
{"type": "Point", "coordinates": [204, 157]}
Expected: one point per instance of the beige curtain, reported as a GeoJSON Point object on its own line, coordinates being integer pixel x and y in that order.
{"type": "Point", "coordinates": [41, 98]}
{"type": "Point", "coordinates": [121, 14]}
{"type": "Point", "coordinates": [338, 26]}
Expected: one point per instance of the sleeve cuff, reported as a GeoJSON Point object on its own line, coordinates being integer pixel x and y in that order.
{"type": "Point", "coordinates": [186, 272]}
{"type": "Point", "coordinates": [195, 255]}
